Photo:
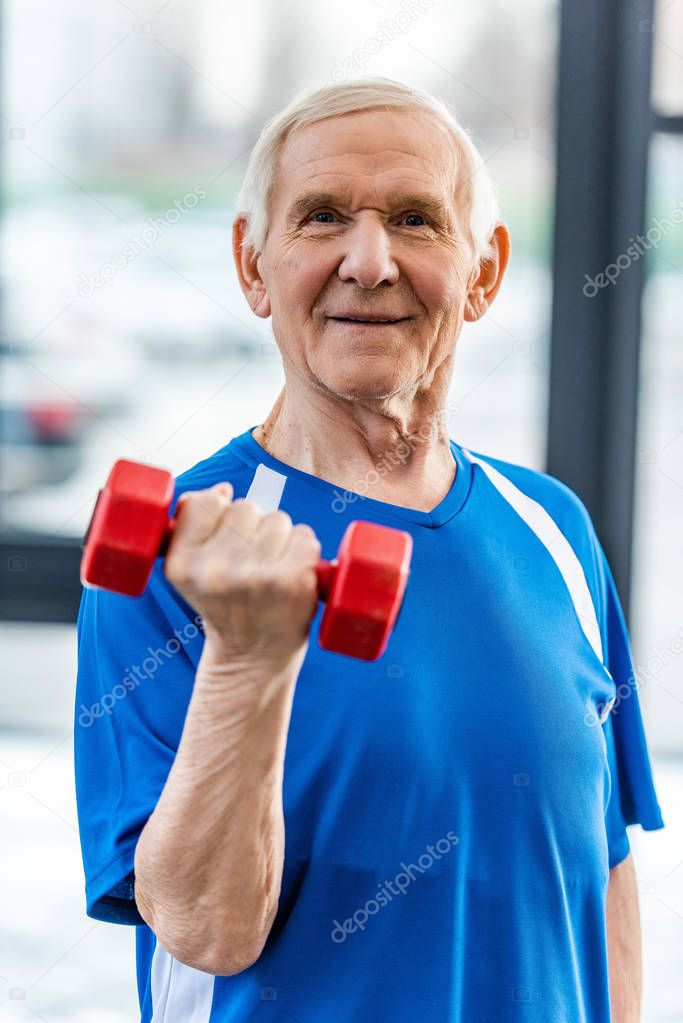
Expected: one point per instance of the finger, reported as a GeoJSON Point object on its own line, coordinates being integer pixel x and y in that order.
{"type": "Point", "coordinates": [240, 523]}
{"type": "Point", "coordinates": [199, 512]}
{"type": "Point", "coordinates": [302, 538]}
{"type": "Point", "coordinates": [273, 535]}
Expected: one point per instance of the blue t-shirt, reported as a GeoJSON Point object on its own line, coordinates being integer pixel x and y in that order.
{"type": "Point", "coordinates": [452, 810]}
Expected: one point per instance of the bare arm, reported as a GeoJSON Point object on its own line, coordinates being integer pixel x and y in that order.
{"type": "Point", "coordinates": [624, 943]}
{"type": "Point", "coordinates": [208, 863]}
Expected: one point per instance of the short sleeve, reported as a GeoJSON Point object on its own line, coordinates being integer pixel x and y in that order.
{"type": "Point", "coordinates": [137, 659]}
{"type": "Point", "coordinates": [633, 799]}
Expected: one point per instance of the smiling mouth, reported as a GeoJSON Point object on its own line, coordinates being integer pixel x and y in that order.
{"type": "Point", "coordinates": [367, 323]}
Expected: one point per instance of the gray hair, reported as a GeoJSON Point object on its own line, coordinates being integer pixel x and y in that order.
{"type": "Point", "coordinates": [367, 93]}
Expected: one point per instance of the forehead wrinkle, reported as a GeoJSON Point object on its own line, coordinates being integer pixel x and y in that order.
{"type": "Point", "coordinates": [447, 170]}
{"type": "Point", "coordinates": [444, 171]}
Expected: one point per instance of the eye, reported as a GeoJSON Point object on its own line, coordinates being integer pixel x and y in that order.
{"type": "Point", "coordinates": [405, 215]}
{"type": "Point", "coordinates": [328, 213]}
{"type": "Point", "coordinates": [425, 222]}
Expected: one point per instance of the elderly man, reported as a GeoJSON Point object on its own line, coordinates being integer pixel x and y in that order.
{"type": "Point", "coordinates": [438, 835]}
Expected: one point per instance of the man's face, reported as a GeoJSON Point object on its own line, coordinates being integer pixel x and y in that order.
{"type": "Point", "coordinates": [364, 224]}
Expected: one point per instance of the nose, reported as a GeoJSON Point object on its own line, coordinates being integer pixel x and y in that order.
{"type": "Point", "coordinates": [368, 260]}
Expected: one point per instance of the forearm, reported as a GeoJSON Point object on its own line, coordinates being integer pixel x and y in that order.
{"type": "Point", "coordinates": [208, 864]}
{"type": "Point", "coordinates": [624, 943]}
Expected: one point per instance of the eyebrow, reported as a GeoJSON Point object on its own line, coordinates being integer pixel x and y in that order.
{"type": "Point", "coordinates": [431, 205]}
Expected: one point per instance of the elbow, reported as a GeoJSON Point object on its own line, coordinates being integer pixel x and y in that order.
{"type": "Point", "coordinates": [236, 951]}
{"type": "Point", "coordinates": [224, 956]}
{"type": "Point", "coordinates": [224, 959]}
{"type": "Point", "coordinates": [205, 941]}
{"type": "Point", "coordinates": [232, 954]}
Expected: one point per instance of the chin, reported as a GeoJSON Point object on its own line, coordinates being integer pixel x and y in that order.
{"type": "Point", "coordinates": [358, 387]}
{"type": "Point", "coordinates": [360, 372]}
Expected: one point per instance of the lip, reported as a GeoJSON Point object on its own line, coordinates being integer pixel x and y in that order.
{"type": "Point", "coordinates": [369, 322]}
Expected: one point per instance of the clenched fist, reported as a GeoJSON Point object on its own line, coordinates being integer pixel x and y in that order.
{"type": "Point", "coordinates": [250, 575]}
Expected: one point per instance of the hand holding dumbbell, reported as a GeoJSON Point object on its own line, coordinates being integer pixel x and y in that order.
{"type": "Point", "coordinates": [255, 579]}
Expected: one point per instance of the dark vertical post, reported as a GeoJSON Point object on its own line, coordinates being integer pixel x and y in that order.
{"type": "Point", "coordinates": [604, 126]}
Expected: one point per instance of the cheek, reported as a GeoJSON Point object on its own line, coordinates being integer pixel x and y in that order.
{"type": "Point", "coordinates": [301, 275]}
{"type": "Point", "coordinates": [441, 292]}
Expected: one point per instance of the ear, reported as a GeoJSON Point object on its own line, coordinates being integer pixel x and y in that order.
{"type": "Point", "coordinates": [248, 272]}
{"type": "Point", "coordinates": [488, 275]}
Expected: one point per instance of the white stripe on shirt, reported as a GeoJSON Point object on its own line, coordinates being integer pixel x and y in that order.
{"type": "Point", "coordinates": [179, 992]}
{"type": "Point", "coordinates": [266, 488]}
{"type": "Point", "coordinates": [557, 545]}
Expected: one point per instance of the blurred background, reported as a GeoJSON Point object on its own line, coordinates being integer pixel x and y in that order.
{"type": "Point", "coordinates": [125, 133]}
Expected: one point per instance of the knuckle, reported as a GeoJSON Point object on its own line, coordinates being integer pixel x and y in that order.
{"type": "Point", "coordinates": [187, 500]}
{"type": "Point", "coordinates": [224, 488]}
{"type": "Point", "coordinates": [214, 500]}
{"type": "Point", "coordinates": [305, 530]}
{"type": "Point", "coordinates": [304, 540]}
{"type": "Point", "coordinates": [243, 508]}
{"type": "Point", "coordinates": [277, 518]}
{"type": "Point", "coordinates": [195, 503]}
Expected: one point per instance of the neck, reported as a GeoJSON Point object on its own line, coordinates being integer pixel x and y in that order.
{"type": "Point", "coordinates": [393, 454]}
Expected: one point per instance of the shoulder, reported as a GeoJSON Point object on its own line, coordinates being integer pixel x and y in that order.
{"type": "Point", "coordinates": [560, 502]}
{"type": "Point", "coordinates": [521, 485]}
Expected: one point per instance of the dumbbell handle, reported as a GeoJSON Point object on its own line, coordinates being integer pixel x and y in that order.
{"type": "Point", "coordinates": [325, 570]}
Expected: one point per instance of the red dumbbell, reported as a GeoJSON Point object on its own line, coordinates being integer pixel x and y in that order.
{"type": "Point", "coordinates": [363, 587]}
